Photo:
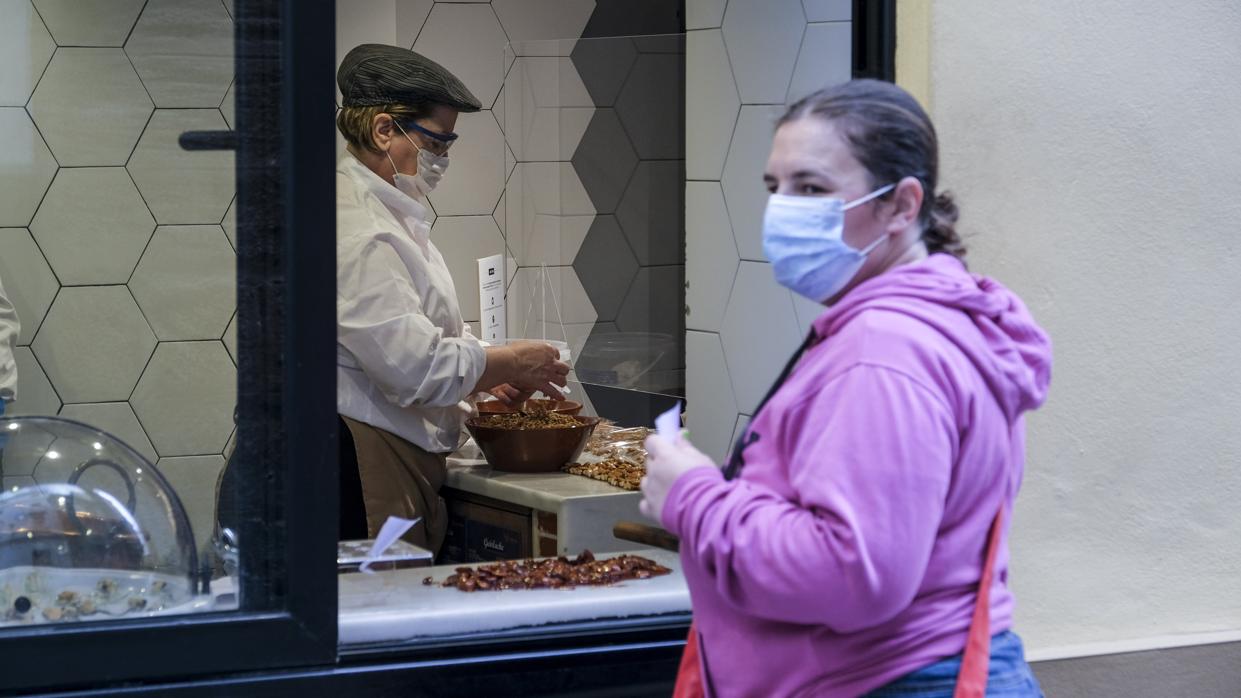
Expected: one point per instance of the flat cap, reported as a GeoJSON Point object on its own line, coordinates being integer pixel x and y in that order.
{"type": "Point", "coordinates": [377, 74]}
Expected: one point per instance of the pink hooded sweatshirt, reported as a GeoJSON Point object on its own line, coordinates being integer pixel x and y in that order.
{"type": "Point", "coordinates": [848, 552]}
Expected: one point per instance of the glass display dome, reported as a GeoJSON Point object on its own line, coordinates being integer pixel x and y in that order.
{"type": "Point", "coordinates": [89, 529]}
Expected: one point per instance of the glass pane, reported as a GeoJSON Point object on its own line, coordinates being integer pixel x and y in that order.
{"type": "Point", "coordinates": [117, 313]}
{"type": "Point", "coordinates": [560, 220]}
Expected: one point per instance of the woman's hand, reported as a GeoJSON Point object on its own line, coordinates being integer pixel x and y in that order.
{"type": "Point", "coordinates": [666, 461]}
{"type": "Point", "coordinates": [509, 395]}
{"type": "Point", "coordinates": [538, 367]}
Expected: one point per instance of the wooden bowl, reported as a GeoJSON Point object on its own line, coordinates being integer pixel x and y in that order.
{"type": "Point", "coordinates": [569, 407]}
{"type": "Point", "coordinates": [531, 450]}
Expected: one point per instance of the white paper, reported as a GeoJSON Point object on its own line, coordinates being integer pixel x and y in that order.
{"type": "Point", "coordinates": [393, 529]}
{"type": "Point", "coordinates": [668, 424]}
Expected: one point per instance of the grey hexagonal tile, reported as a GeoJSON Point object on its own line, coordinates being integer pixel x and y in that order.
{"type": "Point", "coordinates": [807, 312]}
{"type": "Point", "coordinates": [230, 223]}
{"type": "Point", "coordinates": [710, 256]}
{"type": "Point", "coordinates": [230, 338]}
{"type": "Point", "coordinates": [546, 109]}
{"type": "Point", "coordinates": [762, 38]}
{"type": "Point", "coordinates": [660, 43]}
{"type": "Point", "coordinates": [228, 108]}
{"type": "Point", "coordinates": [186, 282]}
{"type": "Point", "coordinates": [743, 177]}
{"type": "Point", "coordinates": [26, 170]}
{"type": "Point", "coordinates": [90, 22]}
{"type": "Point", "coordinates": [28, 281]}
{"type": "Point", "coordinates": [637, 18]}
{"type": "Point", "coordinates": [653, 303]}
{"type": "Point", "coordinates": [547, 213]}
{"type": "Point", "coordinates": [93, 226]}
{"type": "Point", "coordinates": [652, 212]}
{"type": "Point", "coordinates": [634, 360]}
{"type": "Point", "coordinates": [186, 398]}
{"type": "Point", "coordinates": [183, 50]}
{"type": "Point", "coordinates": [760, 332]}
{"type": "Point", "coordinates": [711, 105]}
{"type": "Point", "coordinates": [549, 81]}
{"type": "Point", "coordinates": [651, 106]}
{"type": "Point", "coordinates": [826, 58]}
{"type": "Point", "coordinates": [712, 405]}
{"type": "Point", "coordinates": [463, 240]}
{"type": "Point", "coordinates": [35, 394]}
{"type": "Point", "coordinates": [606, 266]}
{"type": "Point", "coordinates": [828, 10]}
{"type": "Point", "coordinates": [116, 418]}
{"type": "Point", "coordinates": [182, 187]}
{"type": "Point", "coordinates": [411, 15]}
{"type": "Point", "coordinates": [194, 478]}
{"type": "Point", "coordinates": [94, 344]}
{"type": "Point", "coordinates": [231, 446]}
{"type": "Point", "coordinates": [604, 160]}
{"type": "Point", "coordinates": [475, 177]}
{"type": "Point", "coordinates": [468, 41]}
{"type": "Point", "coordinates": [120, 107]}
{"type": "Point", "coordinates": [705, 14]}
{"type": "Point", "coordinates": [603, 65]}
{"type": "Point", "coordinates": [535, 25]}
{"type": "Point", "coordinates": [565, 303]}
{"type": "Point", "coordinates": [25, 49]}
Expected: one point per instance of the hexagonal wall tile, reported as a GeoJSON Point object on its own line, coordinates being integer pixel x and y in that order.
{"type": "Point", "coordinates": [27, 280]}
{"type": "Point", "coordinates": [653, 303]}
{"type": "Point", "coordinates": [828, 10]}
{"type": "Point", "coordinates": [186, 398]}
{"type": "Point", "coordinates": [710, 256]}
{"type": "Point", "coordinates": [183, 50]}
{"type": "Point", "coordinates": [411, 15]}
{"type": "Point", "coordinates": [547, 213]}
{"type": "Point", "coordinates": [90, 22]}
{"type": "Point", "coordinates": [119, 107]}
{"type": "Point", "coordinates": [468, 41]}
{"type": "Point", "coordinates": [652, 213]}
{"type": "Point", "coordinates": [712, 405]}
{"type": "Point", "coordinates": [35, 394]}
{"type": "Point", "coordinates": [186, 282]}
{"type": "Point", "coordinates": [807, 312]}
{"type": "Point", "coordinates": [546, 110]}
{"type": "Point", "coordinates": [548, 81]}
{"type": "Point", "coordinates": [228, 108]}
{"type": "Point", "coordinates": [651, 106]}
{"type": "Point", "coordinates": [762, 38]}
{"type": "Point", "coordinates": [638, 18]}
{"type": "Point", "coordinates": [462, 240]}
{"type": "Point", "coordinates": [26, 169]}
{"type": "Point", "coordinates": [229, 224]}
{"type": "Point", "coordinates": [826, 58]}
{"type": "Point", "coordinates": [475, 177]}
{"type": "Point", "coordinates": [533, 25]}
{"type": "Point", "coordinates": [93, 226]}
{"type": "Point", "coordinates": [606, 266]}
{"type": "Point", "coordinates": [230, 338]}
{"type": "Point", "coordinates": [705, 14]}
{"type": "Point", "coordinates": [743, 177]}
{"type": "Point", "coordinates": [116, 418]}
{"type": "Point", "coordinates": [193, 478]}
{"type": "Point", "coordinates": [603, 65]}
{"type": "Point", "coordinates": [25, 49]}
{"type": "Point", "coordinates": [182, 187]}
{"type": "Point", "coordinates": [711, 105]}
{"type": "Point", "coordinates": [565, 301]}
{"type": "Point", "coordinates": [760, 332]}
{"type": "Point", "coordinates": [604, 160]}
{"type": "Point", "coordinates": [94, 344]}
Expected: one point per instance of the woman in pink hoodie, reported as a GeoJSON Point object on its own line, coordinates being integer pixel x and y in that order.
{"type": "Point", "coordinates": [847, 546]}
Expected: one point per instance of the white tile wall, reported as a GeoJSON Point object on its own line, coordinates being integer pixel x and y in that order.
{"type": "Point", "coordinates": [372, 22]}
{"type": "Point", "coordinates": [544, 21]}
{"type": "Point", "coordinates": [467, 40]}
{"type": "Point", "coordinates": [744, 192]}
{"type": "Point", "coordinates": [26, 169]}
{"type": "Point", "coordinates": [826, 58]}
{"type": "Point", "coordinates": [462, 240]}
{"type": "Point", "coordinates": [762, 38]}
{"type": "Point", "coordinates": [185, 398]}
{"type": "Point", "coordinates": [828, 10]}
{"type": "Point", "coordinates": [194, 479]}
{"type": "Point", "coordinates": [35, 394]}
{"type": "Point", "coordinates": [475, 177]}
{"type": "Point", "coordinates": [411, 15]}
{"type": "Point", "coordinates": [705, 14]}
{"type": "Point", "coordinates": [93, 226]}
{"type": "Point", "coordinates": [116, 418]}
{"type": "Point", "coordinates": [28, 281]}
{"type": "Point", "coordinates": [710, 257]}
{"type": "Point", "coordinates": [527, 304]}
{"type": "Point", "coordinates": [90, 22]}
{"type": "Point", "coordinates": [186, 282]}
{"type": "Point", "coordinates": [547, 213]}
{"type": "Point", "coordinates": [183, 187]}
{"type": "Point", "coordinates": [183, 51]}
{"type": "Point", "coordinates": [94, 344]}
{"type": "Point", "coordinates": [710, 417]}
{"type": "Point", "coordinates": [711, 105]}
{"type": "Point", "coordinates": [25, 49]}
{"type": "Point", "coordinates": [760, 332]}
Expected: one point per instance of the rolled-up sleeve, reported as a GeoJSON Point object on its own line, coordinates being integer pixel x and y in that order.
{"type": "Point", "coordinates": [10, 329]}
{"type": "Point", "coordinates": [380, 322]}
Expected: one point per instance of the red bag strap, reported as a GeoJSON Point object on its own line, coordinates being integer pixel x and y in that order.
{"type": "Point", "coordinates": [972, 681]}
{"type": "Point", "coordinates": [689, 674]}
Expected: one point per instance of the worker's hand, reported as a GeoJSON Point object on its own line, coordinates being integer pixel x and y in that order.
{"type": "Point", "coordinates": [666, 462]}
{"type": "Point", "coordinates": [509, 395]}
{"type": "Point", "coordinates": [538, 367]}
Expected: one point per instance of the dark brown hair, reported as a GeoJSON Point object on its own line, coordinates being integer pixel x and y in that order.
{"type": "Point", "coordinates": [892, 137]}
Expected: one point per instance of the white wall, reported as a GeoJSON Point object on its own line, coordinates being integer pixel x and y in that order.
{"type": "Point", "coordinates": [1094, 148]}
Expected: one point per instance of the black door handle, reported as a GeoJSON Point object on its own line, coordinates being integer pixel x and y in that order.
{"type": "Point", "coordinates": [208, 140]}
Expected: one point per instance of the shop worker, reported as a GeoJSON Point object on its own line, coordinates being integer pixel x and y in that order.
{"type": "Point", "coordinates": [9, 329]}
{"type": "Point", "coordinates": [405, 359]}
{"type": "Point", "coordinates": [857, 541]}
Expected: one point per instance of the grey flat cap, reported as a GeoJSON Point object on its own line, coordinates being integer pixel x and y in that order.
{"type": "Point", "coordinates": [377, 74]}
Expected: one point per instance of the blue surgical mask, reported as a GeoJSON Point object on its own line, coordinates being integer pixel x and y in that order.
{"type": "Point", "coordinates": [803, 237]}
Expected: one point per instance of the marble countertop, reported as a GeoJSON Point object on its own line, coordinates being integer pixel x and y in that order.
{"type": "Point", "coordinates": [542, 491]}
{"type": "Point", "coordinates": [395, 606]}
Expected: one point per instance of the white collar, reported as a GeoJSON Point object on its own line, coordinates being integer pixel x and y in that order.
{"type": "Point", "coordinates": [413, 212]}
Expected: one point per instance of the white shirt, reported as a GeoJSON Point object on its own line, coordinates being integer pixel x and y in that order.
{"type": "Point", "coordinates": [405, 359]}
{"type": "Point", "coordinates": [9, 329]}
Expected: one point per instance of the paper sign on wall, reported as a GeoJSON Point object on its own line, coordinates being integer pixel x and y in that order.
{"type": "Point", "coordinates": [491, 298]}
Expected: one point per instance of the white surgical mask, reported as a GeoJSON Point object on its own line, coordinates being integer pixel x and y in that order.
{"type": "Point", "coordinates": [803, 237]}
{"type": "Point", "coordinates": [431, 170]}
